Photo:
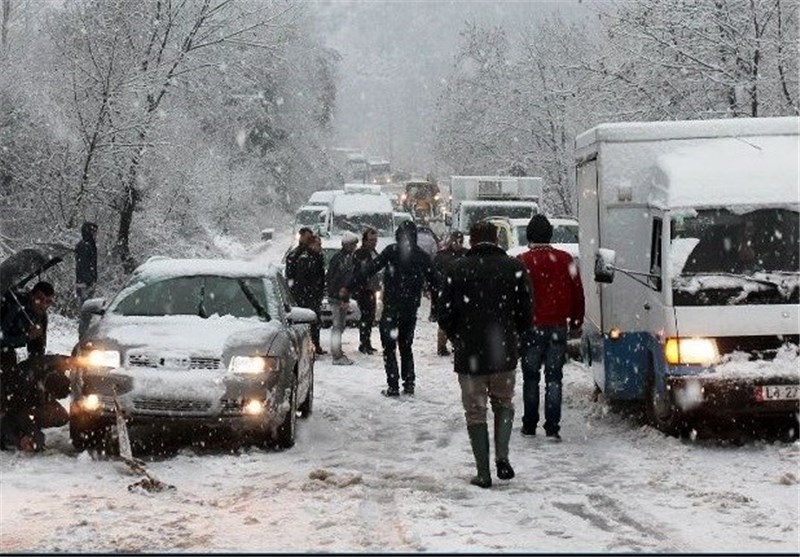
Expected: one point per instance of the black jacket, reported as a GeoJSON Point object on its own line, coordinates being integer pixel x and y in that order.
{"type": "Point", "coordinates": [305, 271]}
{"type": "Point", "coordinates": [362, 259]}
{"type": "Point", "coordinates": [86, 256]}
{"type": "Point", "coordinates": [484, 307]}
{"type": "Point", "coordinates": [340, 272]}
{"type": "Point", "coordinates": [16, 323]}
{"type": "Point", "coordinates": [444, 259]}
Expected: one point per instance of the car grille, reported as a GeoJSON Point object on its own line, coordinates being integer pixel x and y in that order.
{"type": "Point", "coordinates": [194, 362]}
{"type": "Point", "coordinates": [170, 405]}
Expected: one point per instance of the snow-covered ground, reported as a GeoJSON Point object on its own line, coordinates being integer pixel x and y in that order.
{"type": "Point", "coordinates": [371, 474]}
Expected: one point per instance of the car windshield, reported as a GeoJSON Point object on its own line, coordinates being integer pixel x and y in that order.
{"type": "Point", "coordinates": [565, 234]}
{"type": "Point", "coordinates": [475, 213]}
{"type": "Point", "coordinates": [203, 296]}
{"type": "Point", "coordinates": [720, 257]}
{"type": "Point", "coordinates": [357, 223]}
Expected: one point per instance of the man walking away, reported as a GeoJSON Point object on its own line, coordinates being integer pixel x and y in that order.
{"type": "Point", "coordinates": [557, 314]}
{"type": "Point", "coordinates": [308, 283]}
{"type": "Point", "coordinates": [407, 269]}
{"type": "Point", "coordinates": [442, 261]}
{"type": "Point", "coordinates": [484, 306]}
{"type": "Point", "coordinates": [85, 271]}
{"type": "Point", "coordinates": [340, 271]}
{"type": "Point", "coordinates": [365, 296]}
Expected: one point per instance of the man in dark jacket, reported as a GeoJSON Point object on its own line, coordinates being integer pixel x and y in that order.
{"type": "Point", "coordinates": [305, 272]}
{"type": "Point", "coordinates": [85, 271]}
{"type": "Point", "coordinates": [484, 307]}
{"type": "Point", "coordinates": [365, 297]}
{"type": "Point", "coordinates": [558, 312]}
{"type": "Point", "coordinates": [441, 263]}
{"type": "Point", "coordinates": [340, 272]}
{"type": "Point", "coordinates": [28, 406]}
{"type": "Point", "coordinates": [407, 268]}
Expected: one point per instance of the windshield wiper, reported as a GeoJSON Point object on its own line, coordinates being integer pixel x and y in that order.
{"type": "Point", "coordinates": [747, 278]}
{"type": "Point", "coordinates": [251, 297]}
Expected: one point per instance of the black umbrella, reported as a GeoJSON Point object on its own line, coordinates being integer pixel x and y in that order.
{"type": "Point", "coordinates": [19, 268]}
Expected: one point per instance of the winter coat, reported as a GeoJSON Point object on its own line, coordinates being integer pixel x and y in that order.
{"type": "Point", "coordinates": [407, 268]}
{"type": "Point", "coordinates": [444, 259]}
{"type": "Point", "coordinates": [340, 272]}
{"type": "Point", "coordinates": [305, 271]}
{"type": "Point", "coordinates": [362, 258]}
{"type": "Point", "coordinates": [557, 287]}
{"type": "Point", "coordinates": [86, 256]}
{"type": "Point", "coordinates": [484, 307]}
{"type": "Point", "coordinates": [15, 325]}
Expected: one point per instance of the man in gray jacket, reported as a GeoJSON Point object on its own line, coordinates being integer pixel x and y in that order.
{"type": "Point", "coordinates": [340, 271]}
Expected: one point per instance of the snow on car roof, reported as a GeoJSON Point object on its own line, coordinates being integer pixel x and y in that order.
{"type": "Point", "coordinates": [158, 267]}
{"type": "Point", "coordinates": [322, 197]}
{"type": "Point", "coordinates": [729, 171]}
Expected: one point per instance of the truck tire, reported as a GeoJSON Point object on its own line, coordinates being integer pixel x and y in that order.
{"type": "Point", "coordinates": [660, 409]}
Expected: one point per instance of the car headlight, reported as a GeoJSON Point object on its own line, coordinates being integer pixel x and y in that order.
{"type": "Point", "coordinates": [691, 351]}
{"type": "Point", "coordinates": [102, 358]}
{"type": "Point", "coordinates": [253, 365]}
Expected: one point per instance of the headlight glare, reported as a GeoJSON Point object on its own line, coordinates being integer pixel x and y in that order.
{"type": "Point", "coordinates": [252, 365]}
{"type": "Point", "coordinates": [701, 351]}
{"type": "Point", "coordinates": [102, 358]}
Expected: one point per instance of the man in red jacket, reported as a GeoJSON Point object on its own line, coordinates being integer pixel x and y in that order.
{"type": "Point", "coordinates": [558, 306]}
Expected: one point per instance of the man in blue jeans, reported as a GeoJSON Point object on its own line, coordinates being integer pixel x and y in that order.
{"type": "Point", "coordinates": [558, 307]}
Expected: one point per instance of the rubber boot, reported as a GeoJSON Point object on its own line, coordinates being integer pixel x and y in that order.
{"type": "Point", "coordinates": [479, 439]}
{"type": "Point", "coordinates": [503, 422]}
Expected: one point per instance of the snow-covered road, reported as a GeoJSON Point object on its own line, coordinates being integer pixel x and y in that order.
{"type": "Point", "coordinates": [371, 474]}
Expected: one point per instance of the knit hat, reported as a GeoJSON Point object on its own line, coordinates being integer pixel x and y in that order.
{"type": "Point", "coordinates": [349, 238]}
{"type": "Point", "coordinates": [539, 230]}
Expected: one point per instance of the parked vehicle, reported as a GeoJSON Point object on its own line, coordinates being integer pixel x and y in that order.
{"type": "Point", "coordinates": [358, 207]}
{"type": "Point", "coordinates": [513, 234]}
{"type": "Point", "coordinates": [700, 221]}
{"type": "Point", "coordinates": [315, 217]}
{"type": "Point", "coordinates": [421, 199]}
{"type": "Point", "coordinates": [474, 198]}
{"type": "Point", "coordinates": [400, 216]}
{"type": "Point", "coordinates": [195, 345]}
{"type": "Point", "coordinates": [323, 197]}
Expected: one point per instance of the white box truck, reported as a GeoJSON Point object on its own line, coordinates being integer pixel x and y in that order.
{"type": "Point", "coordinates": [700, 220]}
{"type": "Point", "coordinates": [473, 198]}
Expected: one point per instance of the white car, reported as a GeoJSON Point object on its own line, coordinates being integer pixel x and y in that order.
{"type": "Point", "coordinates": [513, 237]}
{"type": "Point", "coordinates": [194, 345]}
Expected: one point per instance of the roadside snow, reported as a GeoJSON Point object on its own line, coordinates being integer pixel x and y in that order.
{"type": "Point", "coordinates": [371, 474]}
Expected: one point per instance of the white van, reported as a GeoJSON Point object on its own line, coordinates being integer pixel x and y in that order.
{"type": "Point", "coordinates": [700, 221]}
{"type": "Point", "coordinates": [360, 206]}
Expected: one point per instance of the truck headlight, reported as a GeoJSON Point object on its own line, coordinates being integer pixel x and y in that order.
{"type": "Point", "coordinates": [691, 351]}
{"type": "Point", "coordinates": [253, 365]}
{"type": "Point", "coordinates": [102, 358]}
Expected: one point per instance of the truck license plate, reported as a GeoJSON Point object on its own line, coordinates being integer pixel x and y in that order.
{"type": "Point", "coordinates": [777, 392]}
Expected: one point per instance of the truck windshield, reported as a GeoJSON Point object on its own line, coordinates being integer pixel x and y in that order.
{"type": "Point", "coordinates": [722, 257]}
{"type": "Point", "coordinates": [309, 217]}
{"type": "Point", "coordinates": [474, 213]}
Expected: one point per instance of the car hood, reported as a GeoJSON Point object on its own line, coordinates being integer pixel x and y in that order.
{"type": "Point", "coordinates": [212, 337]}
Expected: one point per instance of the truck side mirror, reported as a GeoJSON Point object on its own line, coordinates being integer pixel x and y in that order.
{"type": "Point", "coordinates": [604, 265]}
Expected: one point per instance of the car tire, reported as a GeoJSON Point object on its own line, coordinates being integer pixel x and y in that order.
{"type": "Point", "coordinates": [307, 407]}
{"type": "Point", "coordinates": [89, 435]}
{"type": "Point", "coordinates": [286, 431]}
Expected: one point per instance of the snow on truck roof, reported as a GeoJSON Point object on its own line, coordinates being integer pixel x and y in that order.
{"type": "Point", "coordinates": [165, 267]}
{"type": "Point", "coordinates": [361, 203]}
{"type": "Point", "coordinates": [687, 129]}
{"type": "Point", "coordinates": [729, 171]}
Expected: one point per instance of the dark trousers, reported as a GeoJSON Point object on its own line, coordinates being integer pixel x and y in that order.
{"type": "Point", "coordinates": [398, 330]}
{"type": "Point", "coordinates": [366, 305]}
{"type": "Point", "coordinates": [543, 346]}
{"type": "Point", "coordinates": [315, 305]}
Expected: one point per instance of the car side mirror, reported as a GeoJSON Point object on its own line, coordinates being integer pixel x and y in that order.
{"type": "Point", "coordinates": [94, 306]}
{"type": "Point", "coordinates": [298, 315]}
{"type": "Point", "coordinates": [604, 265]}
